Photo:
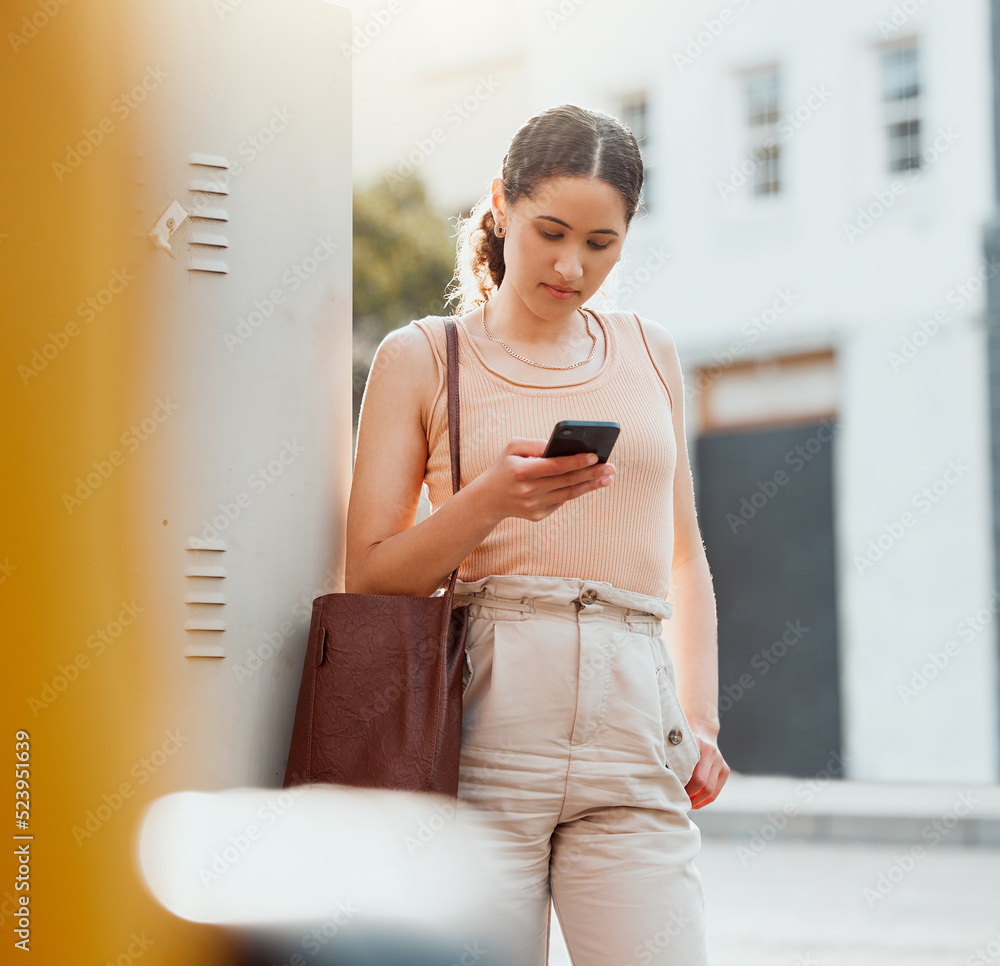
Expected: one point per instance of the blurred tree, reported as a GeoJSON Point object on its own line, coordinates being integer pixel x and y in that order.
{"type": "Point", "coordinates": [404, 256]}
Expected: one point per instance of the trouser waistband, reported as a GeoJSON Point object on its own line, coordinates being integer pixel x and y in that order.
{"type": "Point", "coordinates": [560, 596]}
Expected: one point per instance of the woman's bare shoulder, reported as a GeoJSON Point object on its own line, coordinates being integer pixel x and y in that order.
{"type": "Point", "coordinates": [655, 333]}
{"type": "Point", "coordinates": [663, 351]}
{"type": "Point", "coordinates": [409, 360]}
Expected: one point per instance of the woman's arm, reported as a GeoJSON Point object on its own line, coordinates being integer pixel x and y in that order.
{"type": "Point", "coordinates": [386, 553]}
{"type": "Point", "coordinates": [694, 645]}
{"type": "Point", "coordinates": [693, 636]}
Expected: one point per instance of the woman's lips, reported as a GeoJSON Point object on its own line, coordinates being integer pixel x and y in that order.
{"type": "Point", "coordinates": [558, 293]}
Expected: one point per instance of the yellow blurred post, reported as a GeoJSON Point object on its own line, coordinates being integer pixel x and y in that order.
{"type": "Point", "coordinates": [85, 677]}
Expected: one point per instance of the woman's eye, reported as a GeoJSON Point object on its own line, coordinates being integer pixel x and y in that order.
{"type": "Point", "coordinates": [551, 237]}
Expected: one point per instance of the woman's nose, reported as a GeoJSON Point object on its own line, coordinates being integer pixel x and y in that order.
{"type": "Point", "coordinates": [568, 265]}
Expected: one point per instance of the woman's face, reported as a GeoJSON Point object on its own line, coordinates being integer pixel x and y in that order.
{"type": "Point", "coordinates": [561, 242]}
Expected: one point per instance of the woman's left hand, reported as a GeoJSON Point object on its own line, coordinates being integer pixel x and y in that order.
{"type": "Point", "coordinates": [709, 774]}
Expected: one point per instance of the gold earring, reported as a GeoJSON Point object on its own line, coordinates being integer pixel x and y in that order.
{"type": "Point", "coordinates": [499, 231]}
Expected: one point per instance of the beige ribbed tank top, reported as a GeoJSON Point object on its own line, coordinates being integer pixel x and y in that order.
{"type": "Point", "coordinates": [622, 533]}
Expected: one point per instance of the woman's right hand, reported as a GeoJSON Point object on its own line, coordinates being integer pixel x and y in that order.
{"type": "Point", "coordinates": [521, 483]}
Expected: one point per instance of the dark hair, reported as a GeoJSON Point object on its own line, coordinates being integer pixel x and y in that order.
{"type": "Point", "coordinates": [564, 140]}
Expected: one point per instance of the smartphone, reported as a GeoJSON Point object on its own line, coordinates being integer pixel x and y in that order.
{"type": "Point", "coordinates": [572, 436]}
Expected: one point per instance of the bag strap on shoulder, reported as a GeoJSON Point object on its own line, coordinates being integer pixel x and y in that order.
{"type": "Point", "coordinates": [453, 426]}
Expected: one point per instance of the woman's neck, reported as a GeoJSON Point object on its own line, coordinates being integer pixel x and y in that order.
{"type": "Point", "coordinates": [511, 320]}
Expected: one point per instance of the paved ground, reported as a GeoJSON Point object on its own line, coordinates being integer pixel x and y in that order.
{"type": "Point", "coordinates": [801, 900]}
{"type": "Point", "coordinates": [801, 903]}
{"type": "Point", "coordinates": [804, 903]}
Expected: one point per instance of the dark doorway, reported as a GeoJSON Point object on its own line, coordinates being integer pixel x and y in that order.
{"type": "Point", "coordinates": [765, 506]}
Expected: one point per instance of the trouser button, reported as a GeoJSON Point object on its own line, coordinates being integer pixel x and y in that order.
{"type": "Point", "coordinates": [588, 596]}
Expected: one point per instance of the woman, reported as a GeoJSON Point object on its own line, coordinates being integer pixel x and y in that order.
{"type": "Point", "coordinates": [585, 739]}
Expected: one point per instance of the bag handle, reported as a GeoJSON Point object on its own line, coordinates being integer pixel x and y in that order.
{"type": "Point", "coordinates": [453, 435]}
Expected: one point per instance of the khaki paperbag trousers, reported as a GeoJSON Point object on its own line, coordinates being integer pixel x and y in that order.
{"type": "Point", "coordinates": [576, 749]}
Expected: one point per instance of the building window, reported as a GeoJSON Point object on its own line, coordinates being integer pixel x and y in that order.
{"type": "Point", "coordinates": [901, 99]}
{"type": "Point", "coordinates": [763, 92]}
{"type": "Point", "coordinates": [635, 115]}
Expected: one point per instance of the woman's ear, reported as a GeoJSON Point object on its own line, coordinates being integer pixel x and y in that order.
{"type": "Point", "coordinates": [498, 202]}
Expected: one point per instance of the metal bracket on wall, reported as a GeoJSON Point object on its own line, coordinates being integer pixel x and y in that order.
{"type": "Point", "coordinates": [167, 224]}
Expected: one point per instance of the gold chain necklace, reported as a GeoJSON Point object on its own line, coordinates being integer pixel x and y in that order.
{"type": "Point", "coordinates": [539, 364]}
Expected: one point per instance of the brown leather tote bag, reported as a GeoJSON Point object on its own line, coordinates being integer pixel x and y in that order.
{"type": "Point", "coordinates": [380, 701]}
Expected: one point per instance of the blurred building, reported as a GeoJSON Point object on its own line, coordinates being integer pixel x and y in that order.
{"type": "Point", "coordinates": [818, 183]}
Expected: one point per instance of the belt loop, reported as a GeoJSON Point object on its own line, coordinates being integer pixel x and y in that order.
{"type": "Point", "coordinates": [485, 599]}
